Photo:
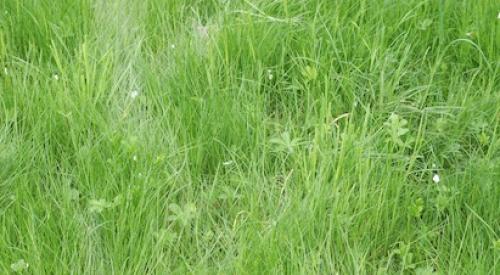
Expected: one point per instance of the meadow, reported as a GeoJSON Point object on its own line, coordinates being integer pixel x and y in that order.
{"type": "Point", "coordinates": [249, 137]}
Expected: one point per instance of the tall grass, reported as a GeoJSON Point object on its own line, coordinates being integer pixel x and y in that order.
{"type": "Point", "coordinates": [249, 137]}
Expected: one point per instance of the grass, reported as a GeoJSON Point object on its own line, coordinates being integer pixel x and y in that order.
{"type": "Point", "coordinates": [249, 137]}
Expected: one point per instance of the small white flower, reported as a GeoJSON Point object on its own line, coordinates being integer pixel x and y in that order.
{"type": "Point", "coordinates": [172, 46]}
{"type": "Point", "coordinates": [227, 163]}
{"type": "Point", "coordinates": [56, 77]}
{"type": "Point", "coordinates": [134, 158]}
{"type": "Point", "coordinates": [134, 94]}
{"type": "Point", "coordinates": [498, 17]}
{"type": "Point", "coordinates": [436, 178]}
{"type": "Point", "coordinates": [19, 266]}
{"type": "Point", "coordinates": [270, 74]}
{"type": "Point", "coordinates": [5, 71]}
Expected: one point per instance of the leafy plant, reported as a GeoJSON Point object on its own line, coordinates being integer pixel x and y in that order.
{"type": "Point", "coordinates": [284, 143]}
{"type": "Point", "coordinates": [182, 215]}
{"type": "Point", "coordinates": [396, 129]}
{"type": "Point", "coordinates": [424, 24]}
{"type": "Point", "coordinates": [310, 73]}
{"type": "Point", "coordinates": [444, 197]}
{"type": "Point", "coordinates": [417, 207]}
{"type": "Point", "coordinates": [404, 254]}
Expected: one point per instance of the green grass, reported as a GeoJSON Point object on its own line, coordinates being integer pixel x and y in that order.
{"type": "Point", "coordinates": [288, 137]}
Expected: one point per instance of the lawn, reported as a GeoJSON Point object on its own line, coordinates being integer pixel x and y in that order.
{"type": "Point", "coordinates": [250, 137]}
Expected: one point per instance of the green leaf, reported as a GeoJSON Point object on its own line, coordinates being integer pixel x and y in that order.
{"type": "Point", "coordinates": [182, 215]}
{"type": "Point", "coordinates": [310, 73]}
{"type": "Point", "coordinates": [284, 143]}
{"type": "Point", "coordinates": [425, 24]}
{"type": "Point", "coordinates": [417, 208]}
{"type": "Point", "coordinates": [395, 129]}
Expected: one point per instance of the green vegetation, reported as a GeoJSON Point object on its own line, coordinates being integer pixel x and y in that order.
{"type": "Point", "coordinates": [249, 137]}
